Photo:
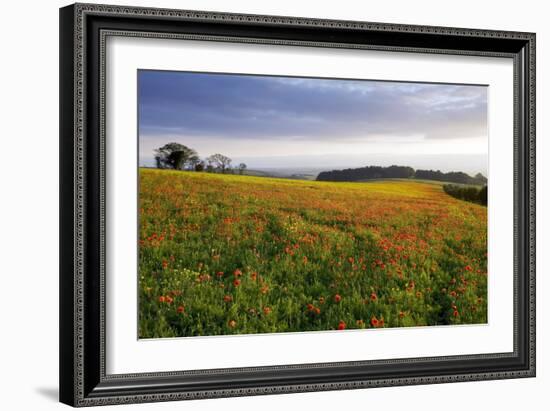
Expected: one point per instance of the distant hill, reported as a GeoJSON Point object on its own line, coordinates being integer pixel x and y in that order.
{"type": "Point", "coordinates": [377, 172]}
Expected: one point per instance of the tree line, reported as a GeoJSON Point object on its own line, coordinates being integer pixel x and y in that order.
{"type": "Point", "coordinates": [377, 172]}
{"type": "Point", "coordinates": [176, 156]}
{"type": "Point", "coordinates": [474, 194]}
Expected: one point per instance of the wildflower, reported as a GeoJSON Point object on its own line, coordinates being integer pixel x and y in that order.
{"type": "Point", "coordinates": [468, 268]}
{"type": "Point", "coordinates": [219, 274]}
{"type": "Point", "coordinates": [227, 298]}
{"type": "Point", "coordinates": [341, 325]}
{"type": "Point", "coordinates": [236, 282]}
{"type": "Point", "coordinates": [310, 307]}
{"type": "Point", "coordinates": [373, 297]}
{"type": "Point", "coordinates": [267, 310]}
{"type": "Point", "coordinates": [237, 273]}
{"type": "Point", "coordinates": [181, 309]}
{"type": "Point", "coordinates": [337, 298]}
{"type": "Point", "coordinates": [455, 313]}
{"type": "Point", "coordinates": [162, 299]}
{"type": "Point", "coordinates": [169, 299]}
{"type": "Point", "coordinates": [321, 300]}
{"type": "Point", "coordinates": [401, 314]}
{"type": "Point", "coordinates": [254, 276]}
{"type": "Point", "coordinates": [374, 322]}
{"type": "Point", "coordinates": [232, 323]}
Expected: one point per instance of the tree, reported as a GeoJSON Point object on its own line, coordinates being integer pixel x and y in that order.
{"type": "Point", "coordinates": [219, 161]}
{"type": "Point", "coordinates": [199, 166]}
{"type": "Point", "coordinates": [174, 156]}
{"type": "Point", "coordinates": [242, 167]}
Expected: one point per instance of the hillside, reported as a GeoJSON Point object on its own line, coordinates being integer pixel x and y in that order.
{"type": "Point", "coordinates": [230, 254]}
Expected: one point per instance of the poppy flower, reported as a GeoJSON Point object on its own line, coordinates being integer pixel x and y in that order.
{"type": "Point", "coordinates": [267, 310]}
{"type": "Point", "coordinates": [337, 298]}
{"type": "Point", "coordinates": [468, 268]}
{"type": "Point", "coordinates": [374, 322]}
{"type": "Point", "coordinates": [162, 299]}
{"type": "Point", "coordinates": [237, 273]}
{"type": "Point", "coordinates": [181, 309]}
{"type": "Point", "coordinates": [219, 274]}
{"type": "Point", "coordinates": [169, 299]}
{"type": "Point", "coordinates": [227, 298]}
{"type": "Point", "coordinates": [254, 276]}
{"type": "Point", "coordinates": [455, 313]}
{"type": "Point", "coordinates": [317, 310]}
{"type": "Point", "coordinates": [373, 297]}
{"type": "Point", "coordinates": [310, 307]}
{"type": "Point", "coordinates": [236, 282]}
{"type": "Point", "coordinates": [341, 325]}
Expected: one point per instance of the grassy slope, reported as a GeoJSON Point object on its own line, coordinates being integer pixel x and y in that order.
{"type": "Point", "coordinates": [306, 255]}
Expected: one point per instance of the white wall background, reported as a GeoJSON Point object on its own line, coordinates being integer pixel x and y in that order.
{"type": "Point", "coordinates": [29, 204]}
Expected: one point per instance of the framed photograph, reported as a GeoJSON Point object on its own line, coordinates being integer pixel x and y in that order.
{"type": "Point", "coordinates": [261, 204]}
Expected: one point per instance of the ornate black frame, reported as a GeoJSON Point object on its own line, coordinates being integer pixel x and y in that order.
{"type": "Point", "coordinates": [83, 30]}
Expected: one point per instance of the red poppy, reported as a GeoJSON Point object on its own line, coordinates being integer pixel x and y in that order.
{"type": "Point", "coordinates": [267, 310]}
{"type": "Point", "coordinates": [373, 297]}
{"type": "Point", "coordinates": [227, 298]}
{"type": "Point", "coordinates": [181, 309]}
{"type": "Point", "coordinates": [455, 313]}
{"type": "Point", "coordinates": [341, 325]}
{"type": "Point", "coordinates": [164, 263]}
{"type": "Point", "coordinates": [468, 268]}
{"type": "Point", "coordinates": [374, 322]}
{"type": "Point", "coordinates": [169, 299]}
{"type": "Point", "coordinates": [317, 310]}
{"type": "Point", "coordinates": [237, 273]}
{"type": "Point", "coordinates": [162, 299]}
{"type": "Point", "coordinates": [219, 274]}
{"type": "Point", "coordinates": [310, 307]}
{"type": "Point", "coordinates": [236, 282]}
{"type": "Point", "coordinates": [337, 298]}
{"type": "Point", "coordinates": [254, 275]}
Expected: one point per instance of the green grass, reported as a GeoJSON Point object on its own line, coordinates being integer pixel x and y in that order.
{"type": "Point", "coordinates": [229, 254]}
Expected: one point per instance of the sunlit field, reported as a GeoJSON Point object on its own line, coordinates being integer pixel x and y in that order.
{"type": "Point", "coordinates": [228, 254]}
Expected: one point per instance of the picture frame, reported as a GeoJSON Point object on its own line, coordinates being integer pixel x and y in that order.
{"type": "Point", "coordinates": [84, 82]}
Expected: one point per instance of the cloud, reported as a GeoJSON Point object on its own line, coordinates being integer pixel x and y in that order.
{"type": "Point", "coordinates": [303, 109]}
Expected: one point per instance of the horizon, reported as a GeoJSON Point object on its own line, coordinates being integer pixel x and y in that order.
{"type": "Point", "coordinates": [272, 122]}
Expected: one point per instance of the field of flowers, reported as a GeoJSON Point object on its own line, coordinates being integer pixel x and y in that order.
{"type": "Point", "coordinates": [227, 254]}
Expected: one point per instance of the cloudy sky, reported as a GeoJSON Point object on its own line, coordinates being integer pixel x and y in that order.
{"type": "Point", "coordinates": [283, 122]}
